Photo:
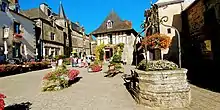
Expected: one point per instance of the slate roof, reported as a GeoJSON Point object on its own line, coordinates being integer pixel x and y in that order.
{"type": "Point", "coordinates": [75, 27]}
{"type": "Point", "coordinates": [34, 13]}
{"type": "Point", "coordinates": [118, 24]}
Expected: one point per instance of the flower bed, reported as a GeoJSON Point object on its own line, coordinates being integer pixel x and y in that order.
{"type": "Point", "coordinates": [10, 69]}
{"type": "Point", "coordinates": [2, 103]}
{"type": "Point", "coordinates": [95, 68]}
{"type": "Point", "coordinates": [37, 65]}
{"type": "Point", "coordinates": [59, 78]}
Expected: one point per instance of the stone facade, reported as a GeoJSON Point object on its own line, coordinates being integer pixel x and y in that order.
{"type": "Point", "coordinates": [58, 35]}
{"type": "Point", "coordinates": [80, 41]}
{"type": "Point", "coordinates": [164, 89]}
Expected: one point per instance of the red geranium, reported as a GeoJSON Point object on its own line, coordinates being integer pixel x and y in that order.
{"type": "Point", "coordinates": [2, 103]}
{"type": "Point", "coordinates": [160, 41]}
{"type": "Point", "coordinates": [73, 74]}
{"type": "Point", "coordinates": [95, 68]}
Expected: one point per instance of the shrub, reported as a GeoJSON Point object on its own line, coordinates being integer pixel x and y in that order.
{"type": "Point", "coordinates": [57, 57]}
{"type": "Point", "coordinates": [66, 61]}
{"type": "Point", "coordinates": [157, 65]}
{"type": "Point", "coordinates": [116, 58]}
{"type": "Point", "coordinates": [99, 52]}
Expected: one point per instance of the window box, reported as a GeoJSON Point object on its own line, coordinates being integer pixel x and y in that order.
{"type": "Point", "coordinates": [18, 35]}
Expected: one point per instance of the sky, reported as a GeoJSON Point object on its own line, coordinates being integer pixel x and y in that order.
{"type": "Point", "coordinates": [91, 13]}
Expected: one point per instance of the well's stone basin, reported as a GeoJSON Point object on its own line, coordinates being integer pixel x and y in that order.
{"type": "Point", "coordinates": [164, 89]}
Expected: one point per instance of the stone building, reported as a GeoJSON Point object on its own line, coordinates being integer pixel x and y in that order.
{"type": "Point", "coordinates": [17, 33]}
{"type": "Point", "coordinates": [113, 31]}
{"type": "Point", "coordinates": [57, 35]}
{"type": "Point", "coordinates": [80, 41]}
{"type": "Point", "coordinates": [201, 31]}
{"type": "Point", "coordinates": [52, 31]}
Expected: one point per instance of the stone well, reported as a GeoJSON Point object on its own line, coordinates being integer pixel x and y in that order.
{"type": "Point", "coordinates": [164, 89]}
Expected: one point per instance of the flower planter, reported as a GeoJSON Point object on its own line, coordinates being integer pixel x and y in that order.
{"type": "Point", "coordinates": [164, 89]}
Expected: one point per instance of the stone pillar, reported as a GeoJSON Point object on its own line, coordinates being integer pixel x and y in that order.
{"type": "Point", "coordinates": [164, 89]}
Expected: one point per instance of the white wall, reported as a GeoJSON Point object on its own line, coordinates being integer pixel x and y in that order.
{"type": "Point", "coordinates": [120, 37]}
{"type": "Point", "coordinates": [187, 3]}
{"type": "Point", "coordinates": [169, 11]}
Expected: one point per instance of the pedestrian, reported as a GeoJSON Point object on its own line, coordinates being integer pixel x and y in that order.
{"type": "Point", "coordinates": [74, 61]}
{"type": "Point", "coordinates": [88, 61]}
{"type": "Point", "coordinates": [79, 62]}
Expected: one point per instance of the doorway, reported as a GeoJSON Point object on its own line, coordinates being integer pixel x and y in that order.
{"type": "Point", "coordinates": [108, 53]}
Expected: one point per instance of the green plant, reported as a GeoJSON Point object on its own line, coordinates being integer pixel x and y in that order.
{"type": "Point", "coordinates": [57, 57]}
{"type": "Point", "coordinates": [157, 65]}
{"type": "Point", "coordinates": [121, 45]}
{"type": "Point", "coordinates": [116, 58]}
{"type": "Point", "coordinates": [66, 61]}
{"type": "Point", "coordinates": [99, 52]}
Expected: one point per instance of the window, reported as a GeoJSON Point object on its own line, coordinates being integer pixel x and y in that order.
{"type": "Point", "coordinates": [110, 38]}
{"type": "Point", "coordinates": [49, 12]}
{"type": "Point", "coordinates": [17, 28]}
{"type": "Point", "coordinates": [57, 51]}
{"type": "Point", "coordinates": [3, 6]}
{"type": "Point", "coordinates": [52, 36]}
{"type": "Point", "coordinates": [169, 31]}
{"type": "Point", "coordinates": [46, 51]}
{"type": "Point", "coordinates": [109, 24]}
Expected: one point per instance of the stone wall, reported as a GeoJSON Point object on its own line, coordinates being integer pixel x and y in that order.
{"type": "Point", "coordinates": [164, 89]}
{"type": "Point", "coordinates": [47, 29]}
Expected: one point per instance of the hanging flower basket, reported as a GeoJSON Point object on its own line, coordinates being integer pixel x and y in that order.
{"type": "Point", "coordinates": [157, 41]}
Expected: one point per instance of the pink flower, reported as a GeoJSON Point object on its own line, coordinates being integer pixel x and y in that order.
{"type": "Point", "coordinates": [2, 103]}
{"type": "Point", "coordinates": [73, 74]}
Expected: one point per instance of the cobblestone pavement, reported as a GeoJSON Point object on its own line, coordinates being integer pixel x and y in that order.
{"type": "Point", "coordinates": [92, 92]}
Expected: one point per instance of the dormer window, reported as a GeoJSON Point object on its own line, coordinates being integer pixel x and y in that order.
{"type": "Point", "coordinates": [49, 12]}
{"type": "Point", "coordinates": [3, 6]}
{"type": "Point", "coordinates": [109, 24]}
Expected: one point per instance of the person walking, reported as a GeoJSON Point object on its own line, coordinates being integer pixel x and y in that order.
{"type": "Point", "coordinates": [74, 62]}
